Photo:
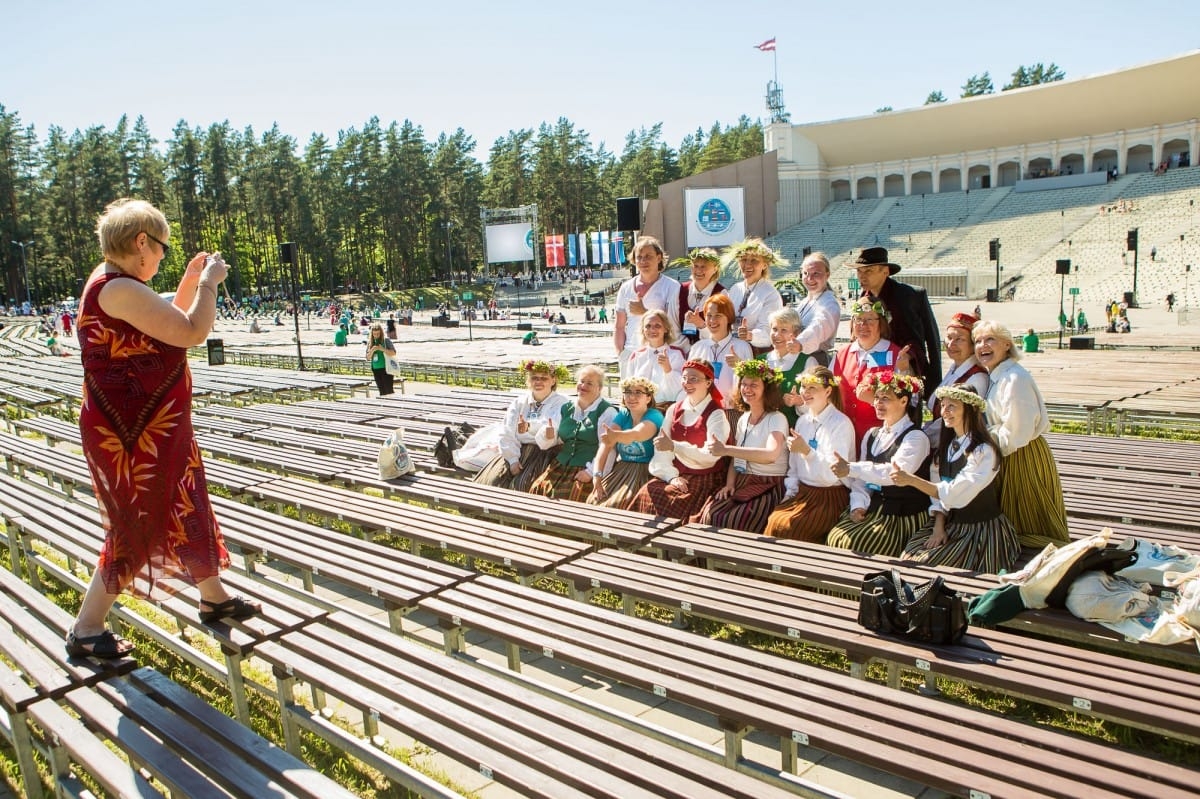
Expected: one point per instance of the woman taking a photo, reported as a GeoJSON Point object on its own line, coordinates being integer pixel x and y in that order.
{"type": "Point", "coordinates": [657, 360]}
{"type": "Point", "coordinates": [754, 478]}
{"type": "Point", "coordinates": [695, 473]}
{"type": "Point", "coordinates": [1030, 490]}
{"type": "Point", "coordinates": [136, 427]}
{"type": "Point", "coordinates": [814, 497]}
{"type": "Point", "coordinates": [521, 459]}
{"type": "Point", "coordinates": [968, 530]}
{"type": "Point", "coordinates": [379, 349]}
{"type": "Point", "coordinates": [884, 516]}
{"type": "Point", "coordinates": [576, 434]}
{"type": "Point", "coordinates": [631, 439]}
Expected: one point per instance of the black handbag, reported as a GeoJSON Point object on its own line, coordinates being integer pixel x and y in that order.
{"type": "Point", "coordinates": [930, 612]}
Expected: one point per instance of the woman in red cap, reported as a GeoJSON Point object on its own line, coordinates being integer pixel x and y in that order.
{"type": "Point", "coordinates": [695, 473]}
{"type": "Point", "coordinates": [964, 369]}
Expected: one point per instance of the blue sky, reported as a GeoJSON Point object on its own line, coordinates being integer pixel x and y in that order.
{"type": "Point", "coordinates": [490, 67]}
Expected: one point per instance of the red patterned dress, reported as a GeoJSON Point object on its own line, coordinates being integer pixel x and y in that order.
{"type": "Point", "coordinates": [136, 423]}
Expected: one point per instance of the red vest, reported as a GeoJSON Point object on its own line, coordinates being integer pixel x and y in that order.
{"type": "Point", "coordinates": [696, 435]}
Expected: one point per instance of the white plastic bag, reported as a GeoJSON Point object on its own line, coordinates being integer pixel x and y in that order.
{"type": "Point", "coordinates": [392, 364]}
{"type": "Point", "coordinates": [394, 460]}
{"type": "Point", "coordinates": [481, 448]}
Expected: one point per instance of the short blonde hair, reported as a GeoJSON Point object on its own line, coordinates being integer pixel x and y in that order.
{"type": "Point", "coordinates": [669, 334]}
{"type": "Point", "coordinates": [123, 220]}
{"type": "Point", "coordinates": [990, 327]}
{"type": "Point", "coordinates": [590, 369]}
{"type": "Point", "coordinates": [787, 316]}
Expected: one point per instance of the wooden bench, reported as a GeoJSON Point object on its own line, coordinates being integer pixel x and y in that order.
{"type": "Point", "coordinates": [527, 552]}
{"type": "Point", "coordinates": [119, 723]}
{"type": "Point", "coordinates": [840, 572]}
{"type": "Point", "coordinates": [609, 526]}
{"type": "Point", "coordinates": [55, 430]}
{"type": "Point", "coordinates": [938, 744]}
{"type": "Point", "coordinates": [524, 739]}
{"type": "Point", "coordinates": [280, 459]}
{"type": "Point", "coordinates": [1059, 675]}
{"type": "Point", "coordinates": [397, 579]}
{"type": "Point", "coordinates": [72, 529]}
{"type": "Point", "coordinates": [68, 470]}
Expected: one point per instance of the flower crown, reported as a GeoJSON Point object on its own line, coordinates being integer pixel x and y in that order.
{"type": "Point", "coordinates": [820, 382]}
{"type": "Point", "coordinates": [894, 382]}
{"type": "Point", "coordinates": [960, 394]}
{"type": "Point", "coordinates": [556, 370]}
{"type": "Point", "coordinates": [753, 247]}
{"type": "Point", "coordinates": [698, 254]}
{"type": "Point", "coordinates": [757, 369]}
{"type": "Point", "coordinates": [866, 305]}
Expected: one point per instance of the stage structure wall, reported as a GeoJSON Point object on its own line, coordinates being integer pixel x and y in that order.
{"type": "Point", "coordinates": [1131, 120]}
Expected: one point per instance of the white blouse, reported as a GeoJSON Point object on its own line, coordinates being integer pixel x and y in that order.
{"type": "Point", "coordinates": [834, 433]}
{"type": "Point", "coordinates": [911, 453]}
{"type": "Point", "coordinates": [758, 436]}
{"type": "Point", "coordinates": [755, 305]}
{"type": "Point", "coordinates": [644, 363]}
{"type": "Point", "coordinates": [714, 352]}
{"type": "Point", "coordinates": [972, 478]}
{"type": "Point", "coordinates": [1016, 412]}
{"type": "Point", "coordinates": [535, 413]}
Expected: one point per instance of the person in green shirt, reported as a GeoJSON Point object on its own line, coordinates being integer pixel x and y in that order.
{"type": "Point", "coordinates": [379, 349]}
{"type": "Point", "coordinates": [1030, 341]}
{"type": "Point", "coordinates": [341, 336]}
{"type": "Point", "coordinates": [1081, 323]}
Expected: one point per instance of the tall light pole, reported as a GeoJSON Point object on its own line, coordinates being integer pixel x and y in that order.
{"type": "Point", "coordinates": [449, 261]}
{"type": "Point", "coordinates": [25, 269]}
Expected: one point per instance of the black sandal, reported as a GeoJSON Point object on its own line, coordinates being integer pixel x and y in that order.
{"type": "Point", "coordinates": [236, 608]}
{"type": "Point", "coordinates": [106, 646]}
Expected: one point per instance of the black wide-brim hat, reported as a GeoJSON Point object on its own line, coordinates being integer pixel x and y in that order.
{"type": "Point", "coordinates": [874, 256]}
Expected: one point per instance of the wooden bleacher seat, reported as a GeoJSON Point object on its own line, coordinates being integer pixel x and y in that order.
{"type": "Point", "coordinates": [956, 749]}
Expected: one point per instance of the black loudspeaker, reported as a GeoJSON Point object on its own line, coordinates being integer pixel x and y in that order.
{"type": "Point", "coordinates": [1062, 266]}
{"type": "Point", "coordinates": [287, 252]}
{"type": "Point", "coordinates": [994, 250]}
{"type": "Point", "coordinates": [629, 213]}
{"type": "Point", "coordinates": [1131, 240]}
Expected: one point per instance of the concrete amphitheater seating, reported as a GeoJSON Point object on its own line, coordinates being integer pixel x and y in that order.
{"type": "Point", "coordinates": [1086, 225]}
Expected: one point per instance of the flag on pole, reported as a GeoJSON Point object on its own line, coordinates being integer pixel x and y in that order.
{"type": "Point", "coordinates": [554, 250]}
{"type": "Point", "coordinates": [571, 260]}
{"type": "Point", "coordinates": [618, 247]}
{"type": "Point", "coordinates": [581, 242]}
{"type": "Point", "coordinates": [605, 247]}
{"type": "Point", "coordinates": [596, 259]}
{"type": "Point", "coordinates": [767, 46]}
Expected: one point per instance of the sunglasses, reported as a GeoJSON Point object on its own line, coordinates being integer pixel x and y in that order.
{"type": "Point", "coordinates": [166, 248]}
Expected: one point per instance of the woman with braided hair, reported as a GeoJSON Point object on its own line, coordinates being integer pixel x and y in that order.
{"type": "Point", "coordinates": [967, 529]}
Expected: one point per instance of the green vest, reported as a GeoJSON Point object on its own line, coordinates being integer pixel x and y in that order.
{"type": "Point", "coordinates": [580, 439]}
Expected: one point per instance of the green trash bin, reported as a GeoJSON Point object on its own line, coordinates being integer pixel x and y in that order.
{"type": "Point", "coordinates": [216, 352]}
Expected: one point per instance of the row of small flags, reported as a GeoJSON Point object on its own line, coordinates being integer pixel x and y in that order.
{"type": "Point", "coordinates": [571, 249]}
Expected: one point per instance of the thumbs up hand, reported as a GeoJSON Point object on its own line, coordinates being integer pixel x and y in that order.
{"type": "Point", "coordinates": [840, 467]}
{"type": "Point", "coordinates": [522, 425]}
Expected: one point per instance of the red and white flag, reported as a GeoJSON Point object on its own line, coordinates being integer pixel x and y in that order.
{"type": "Point", "coordinates": [555, 253]}
{"type": "Point", "coordinates": [767, 46]}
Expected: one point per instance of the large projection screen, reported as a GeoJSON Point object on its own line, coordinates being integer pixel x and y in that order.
{"type": "Point", "coordinates": [715, 217]}
{"type": "Point", "coordinates": [510, 242]}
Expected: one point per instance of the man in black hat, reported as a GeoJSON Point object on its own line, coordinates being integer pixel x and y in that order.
{"type": "Point", "coordinates": [913, 325]}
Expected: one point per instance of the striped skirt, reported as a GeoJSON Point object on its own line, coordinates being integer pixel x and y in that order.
{"type": "Point", "coordinates": [877, 534]}
{"type": "Point", "coordinates": [810, 514]}
{"type": "Point", "coordinates": [748, 508]}
{"type": "Point", "coordinates": [533, 462]}
{"type": "Point", "coordinates": [1031, 495]}
{"type": "Point", "coordinates": [979, 546]}
{"type": "Point", "coordinates": [680, 498]}
{"type": "Point", "coordinates": [558, 482]}
{"type": "Point", "coordinates": [621, 484]}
